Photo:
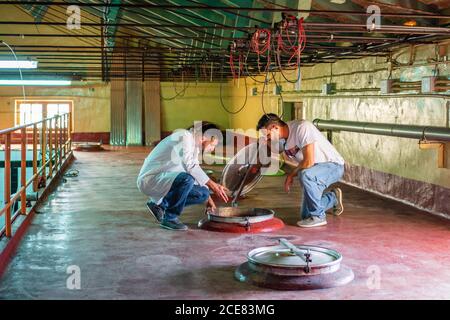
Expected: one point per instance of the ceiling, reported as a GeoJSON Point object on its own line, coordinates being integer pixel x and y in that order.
{"type": "Point", "coordinates": [174, 39]}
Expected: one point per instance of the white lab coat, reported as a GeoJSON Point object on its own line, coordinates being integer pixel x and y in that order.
{"type": "Point", "coordinates": [175, 154]}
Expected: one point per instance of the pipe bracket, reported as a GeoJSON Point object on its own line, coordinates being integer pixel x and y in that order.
{"type": "Point", "coordinates": [440, 146]}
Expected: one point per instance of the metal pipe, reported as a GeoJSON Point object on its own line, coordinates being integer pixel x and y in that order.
{"type": "Point", "coordinates": [56, 35]}
{"type": "Point", "coordinates": [23, 171]}
{"type": "Point", "coordinates": [386, 129]}
{"type": "Point", "coordinates": [316, 27]}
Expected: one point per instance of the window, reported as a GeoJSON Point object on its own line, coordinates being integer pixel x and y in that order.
{"type": "Point", "coordinates": [54, 108]}
{"type": "Point", "coordinates": [32, 111]}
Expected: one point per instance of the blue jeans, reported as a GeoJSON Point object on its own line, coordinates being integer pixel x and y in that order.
{"type": "Point", "coordinates": [183, 192]}
{"type": "Point", "coordinates": [314, 181]}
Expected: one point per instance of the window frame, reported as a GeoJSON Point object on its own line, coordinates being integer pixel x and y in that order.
{"type": "Point", "coordinates": [44, 103]}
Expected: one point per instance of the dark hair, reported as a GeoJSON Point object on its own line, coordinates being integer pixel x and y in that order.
{"type": "Point", "coordinates": [267, 119]}
{"type": "Point", "coordinates": [206, 126]}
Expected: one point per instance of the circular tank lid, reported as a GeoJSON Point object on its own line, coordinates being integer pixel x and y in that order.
{"type": "Point", "coordinates": [282, 257]}
{"type": "Point", "coordinates": [235, 170]}
{"type": "Point", "coordinates": [240, 215]}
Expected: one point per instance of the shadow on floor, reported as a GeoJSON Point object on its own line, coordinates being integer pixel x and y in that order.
{"type": "Point", "coordinates": [211, 280]}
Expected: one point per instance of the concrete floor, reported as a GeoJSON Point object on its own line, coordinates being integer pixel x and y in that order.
{"type": "Point", "coordinates": [98, 222]}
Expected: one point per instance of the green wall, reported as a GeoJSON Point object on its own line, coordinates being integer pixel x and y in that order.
{"type": "Point", "coordinates": [358, 99]}
{"type": "Point", "coordinates": [200, 101]}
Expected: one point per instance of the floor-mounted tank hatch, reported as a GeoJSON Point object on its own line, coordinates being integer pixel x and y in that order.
{"type": "Point", "coordinates": [241, 220]}
{"type": "Point", "coordinates": [240, 176]}
{"type": "Point", "coordinates": [88, 146]}
{"type": "Point", "coordinates": [240, 215]}
{"type": "Point", "coordinates": [294, 267]}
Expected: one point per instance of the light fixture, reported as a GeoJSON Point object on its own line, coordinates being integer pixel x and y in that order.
{"type": "Point", "coordinates": [410, 23]}
{"type": "Point", "coordinates": [35, 82]}
{"type": "Point", "coordinates": [344, 44]}
{"type": "Point", "coordinates": [22, 64]}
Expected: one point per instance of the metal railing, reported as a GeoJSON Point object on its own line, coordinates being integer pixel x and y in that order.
{"type": "Point", "coordinates": [51, 139]}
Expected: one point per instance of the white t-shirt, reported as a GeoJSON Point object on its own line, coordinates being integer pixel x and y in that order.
{"type": "Point", "coordinates": [302, 133]}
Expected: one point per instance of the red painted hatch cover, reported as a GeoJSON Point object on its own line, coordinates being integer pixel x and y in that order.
{"type": "Point", "coordinates": [241, 220]}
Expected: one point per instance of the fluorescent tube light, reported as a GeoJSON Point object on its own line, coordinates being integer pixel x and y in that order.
{"type": "Point", "coordinates": [35, 82]}
{"type": "Point", "coordinates": [22, 64]}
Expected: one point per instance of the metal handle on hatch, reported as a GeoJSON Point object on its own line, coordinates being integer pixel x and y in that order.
{"type": "Point", "coordinates": [306, 257]}
{"type": "Point", "coordinates": [241, 186]}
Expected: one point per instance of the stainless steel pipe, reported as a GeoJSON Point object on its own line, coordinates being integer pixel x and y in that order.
{"type": "Point", "coordinates": [386, 129]}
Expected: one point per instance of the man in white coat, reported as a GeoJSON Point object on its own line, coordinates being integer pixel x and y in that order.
{"type": "Point", "coordinates": [172, 178]}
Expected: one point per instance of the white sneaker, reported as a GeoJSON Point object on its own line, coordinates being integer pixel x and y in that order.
{"type": "Point", "coordinates": [312, 222]}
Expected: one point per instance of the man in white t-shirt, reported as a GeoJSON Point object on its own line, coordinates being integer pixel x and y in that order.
{"type": "Point", "coordinates": [317, 164]}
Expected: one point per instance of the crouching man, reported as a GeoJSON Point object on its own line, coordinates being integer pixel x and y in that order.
{"type": "Point", "coordinates": [172, 178]}
{"type": "Point", "coordinates": [317, 165]}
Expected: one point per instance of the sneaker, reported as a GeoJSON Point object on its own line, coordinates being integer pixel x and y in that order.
{"type": "Point", "coordinates": [339, 207]}
{"type": "Point", "coordinates": [174, 225]}
{"type": "Point", "coordinates": [156, 211]}
{"type": "Point", "coordinates": [312, 222]}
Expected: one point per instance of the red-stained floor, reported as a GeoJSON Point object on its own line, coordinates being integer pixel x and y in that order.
{"type": "Point", "coordinates": [98, 222]}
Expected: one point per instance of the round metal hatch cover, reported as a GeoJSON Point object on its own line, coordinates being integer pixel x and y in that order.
{"type": "Point", "coordinates": [88, 146]}
{"type": "Point", "coordinates": [240, 215]}
{"type": "Point", "coordinates": [294, 267]}
{"type": "Point", "coordinates": [343, 276]}
{"type": "Point", "coordinates": [236, 168]}
{"type": "Point", "coordinates": [282, 261]}
{"type": "Point", "coordinates": [264, 226]}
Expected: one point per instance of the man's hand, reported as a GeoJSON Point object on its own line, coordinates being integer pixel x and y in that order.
{"type": "Point", "coordinates": [219, 190]}
{"type": "Point", "coordinates": [307, 162]}
{"type": "Point", "coordinates": [288, 183]}
{"type": "Point", "coordinates": [210, 205]}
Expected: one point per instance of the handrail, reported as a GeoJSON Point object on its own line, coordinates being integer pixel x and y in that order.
{"type": "Point", "coordinates": [55, 136]}
{"type": "Point", "coordinates": [17, 128]}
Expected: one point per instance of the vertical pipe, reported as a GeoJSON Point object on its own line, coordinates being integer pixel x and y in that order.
{"type": "Point", "coordinates": [50, 148]}
{"type": "Point", "coordinates": [35, 180]}
{"type": "Point", "coordinates": [143, 67]}
{"type": "Point", "coordinates": [44, 150]}
{"type": "Point", "coordinates": [64, 135]}
{"type": "Point", "coordinates": [61, 146]}
{"type": "Point", "coordinates": [134, 112]}
{"type": "Point", "coordinates": [61, 138]}
{"type": "Point", "coordinates": [66, 144]}
{"type": "Point", "coordinates": [58, 137]}
{"type": "Point", "coordinates": [102, 44]}
{"type": "Point", "coordinates": [7, 187]}
{"type": "Point", "coordinates": [447, 115]}
{"type": "Point", "coordinates": [56, 143]}
{"type": "Point", "coordinates": [70, 130]}
{"type": "Point", "coordinates": [23, 170]}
